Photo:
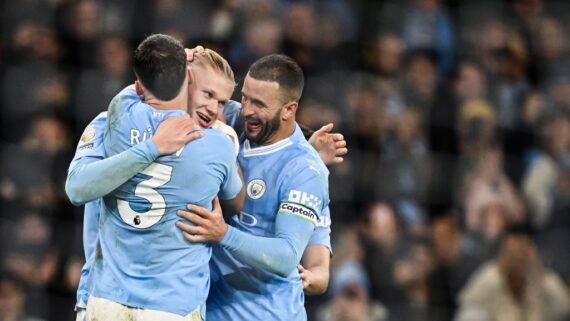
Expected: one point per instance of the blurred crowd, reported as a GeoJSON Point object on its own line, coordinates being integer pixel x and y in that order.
{"type": "Point", "coordinates": [452, 205]}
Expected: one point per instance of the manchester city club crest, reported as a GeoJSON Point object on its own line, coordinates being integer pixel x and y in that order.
{"type": "Point", "coordinates": [256, 189]}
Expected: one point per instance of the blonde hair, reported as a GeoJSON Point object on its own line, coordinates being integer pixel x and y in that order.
{"type": "Point", "coordinates": [215, 61]}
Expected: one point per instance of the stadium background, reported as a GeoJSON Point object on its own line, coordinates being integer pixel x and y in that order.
{"type": "Point", "coordinates": [456, 114]}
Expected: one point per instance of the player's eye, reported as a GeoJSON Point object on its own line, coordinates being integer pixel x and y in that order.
{"type": "Point", "coordinates": [258, 104]}
{"type": "Point", "coordinates": [208, 94]}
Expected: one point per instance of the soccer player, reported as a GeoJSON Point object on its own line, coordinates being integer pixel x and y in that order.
{"type": "Point", "coordinates": [205, 97]}
{"type": "Point", "coordinates": [170, 136]}
{"type": "Point", "coordinates": [141, 267]}
{"type": "Point", "coordinates": [254, 268]}
{"type": "Point", "coordinates": [92, 175]}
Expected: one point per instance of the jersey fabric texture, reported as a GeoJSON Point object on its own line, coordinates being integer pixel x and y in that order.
{"type": "Point", "coordinates": [322, 233]}
{"type": "Point", "coordinates": [287, 191]}
{"type": "Point", "coordinates": [90, 145]}
{"type": "Point", "coordinates": [142, 259]}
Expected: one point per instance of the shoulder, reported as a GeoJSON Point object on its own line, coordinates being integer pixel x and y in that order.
{"type": "Point", "coordinates": [122, 103]}
{"type": "Point", "coordinates": [94, 130]}
{"type": "Point", "coordinates": [483, 282]}
{"type": "Point", "coordinates": [232, 108]}
{"type": "Point", "coordinates": [303, 158]}
{"type": "Point", "coordinates": [99, 120]}
{"type": "Point", "coordinates": [230, 133]}
{"type": "Point", "coordinates": [217, 142]}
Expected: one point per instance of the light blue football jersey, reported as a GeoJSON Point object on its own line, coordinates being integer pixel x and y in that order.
{"type": "Point", "coordinates": [90, 145]}
{"type": "Point", "coordinates": [286, 178]}
{"type": "Point", "coordinates": [322, 233]}
{"type": "Point", "coordinates": [142, 259]}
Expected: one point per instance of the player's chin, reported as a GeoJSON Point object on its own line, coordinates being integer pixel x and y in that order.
{"type": "Point", "coordinates": [251, 135]}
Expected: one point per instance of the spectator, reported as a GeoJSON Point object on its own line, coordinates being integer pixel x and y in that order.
{"type": "Point", "coordinates": [13, 296]}
{"type": "Point", "coordinates": [111, 75]}
{"type": "Point", "coordinates": [456, 259]}
{"type": "Point", "coordinates": [427, 26]}
{"type": "Point", "coordinates": [349, 289]}
{"type": "Point", "coordinates": [413, 265]}
{"type": "Point", "coordinates": [300, 34]}
{"type": "Point", "coordinates": [516, 286]}
{"type": "Point", "coordinates": [487, 183]}
{"type": "Point", "coordinates": [383, 237]}
{"type": "Point", "coordinates": [35, 84]}
{"type": "Point", "coordinates": [552, 46]}
{"type": "Point", "coordinates": [260, 37]}
{"type": "Point", "coordinates": [404, 170]}
{"type": "Point", "coordinates": [31, 257]}
{"type": "Point", "coordinates": [542, 175]}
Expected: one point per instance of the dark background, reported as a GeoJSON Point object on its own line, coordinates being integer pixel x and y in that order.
{"type": "Point", "coordinates": [456, 114]}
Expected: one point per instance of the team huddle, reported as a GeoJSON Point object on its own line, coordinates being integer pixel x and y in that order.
{"type": "Point", "coordinates": [176, 226]}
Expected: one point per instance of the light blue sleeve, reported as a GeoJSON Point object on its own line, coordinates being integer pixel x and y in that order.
{"type": "Point", "coordinates": [301, 203]}
{"type": "Point", "coordinates": [117, 106]}
{"type": "Point", "coordinates": [322, 233]}
{"type": "Point", "coordinates": [279, 254]}
{"type": "Point", "coordinates": [92, 176]}
{"type": "Point", "coordinates": [91, 141]}
{"type": "Point", "coordinates": [232, 114]}
{"type": "Point", "coordinates": [232, 183]}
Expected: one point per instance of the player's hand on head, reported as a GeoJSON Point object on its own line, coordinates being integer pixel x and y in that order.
{"type": "Point", "coordinates": [209, 225]}
{"type": "Point", "coordinates": [175, 132]}
{"type": "Point", "coordinates": [194, 51]}
{"type": "Point", "coordinates": [330, 146]}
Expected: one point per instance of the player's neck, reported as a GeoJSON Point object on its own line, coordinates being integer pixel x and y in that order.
{"type": "Point", "coordinates": [179, 102]}
{"type": "Point", "coordinates": [285, 131]}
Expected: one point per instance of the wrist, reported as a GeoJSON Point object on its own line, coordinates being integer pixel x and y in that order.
{"type": "Point", "coordinates": [224, 229]}
{"type": "Point", "coordinates": [227, 236]}
{"type": "Point", "coordinates": [157, 144]}
{"type": "Point", "coordinates": [152, 149]}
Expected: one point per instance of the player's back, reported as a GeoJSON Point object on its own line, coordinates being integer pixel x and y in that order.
{"type": "Point", "coordinates": [143, 259]}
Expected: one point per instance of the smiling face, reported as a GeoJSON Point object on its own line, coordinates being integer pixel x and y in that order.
{"type": "Point", "coordinates": [262, 108]}
{"type": "Point", "coordinates": [208, 93]}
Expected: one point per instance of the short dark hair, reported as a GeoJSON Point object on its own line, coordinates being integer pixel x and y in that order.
{"type": "Point", "coordinates": [160, 65]}
{"type": "Point", "coordinates": [282, 70]}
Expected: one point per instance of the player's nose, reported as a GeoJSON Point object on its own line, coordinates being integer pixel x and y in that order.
{"type": "Point", "coordinates": [246, 109]}
{"type": "Point", "coordinates": [212, 108]}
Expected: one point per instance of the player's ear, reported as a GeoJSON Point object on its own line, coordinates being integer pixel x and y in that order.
{"type": "Point", "coordinates": [190, 75]}
{"type": "Point", "coordinates": [289, 110]}
{"type": "Point", "coordinates": [139, 88]}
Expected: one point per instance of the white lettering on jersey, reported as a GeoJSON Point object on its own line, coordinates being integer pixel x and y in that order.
{"type": "Point", "coordinates": [306, 199]}
{"type": "Point", "coordinates": [297, 210]}
{"type": "Point", "coordinates": [324, 221]}
{"type": "Point", "coordinates": [136, 135]}
{"type": "Point", "coordinates": [247, 219]}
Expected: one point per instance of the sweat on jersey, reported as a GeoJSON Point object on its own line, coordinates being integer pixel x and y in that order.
{"type": "Point", "coordinates": [142, 259]}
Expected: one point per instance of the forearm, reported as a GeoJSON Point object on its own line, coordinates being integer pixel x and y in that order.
{"type": "Point", "coordinates": [94, 178]}
{"type": "Point", "coordinates": [235, 205]}
{"type": "Point", "coordinates": [261, 252]}
{"type": "Point", "coordinates": [279, 254]}
{"type": "Point", "coordinates": [316, 259]}
{"type": "Point", "coordinates": [320, 281]}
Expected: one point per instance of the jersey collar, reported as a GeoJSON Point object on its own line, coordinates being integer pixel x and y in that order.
{"type": "Point", "coordinates": [249, 151]}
